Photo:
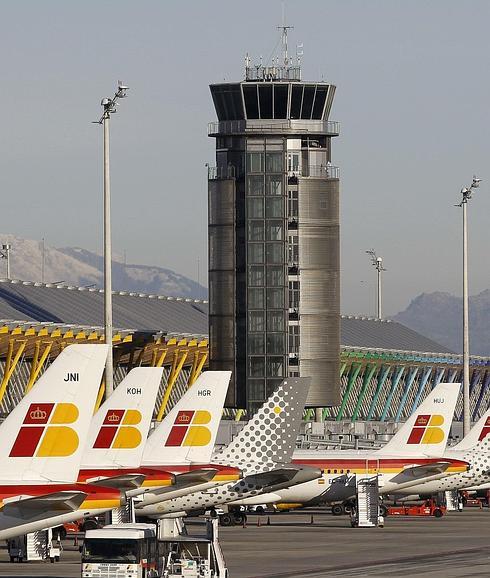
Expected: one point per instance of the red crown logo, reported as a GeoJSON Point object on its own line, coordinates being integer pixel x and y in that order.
{"type": "Point", "coordinates": [113, 418]}
{"type": "Point", "coordinates": [38, 414]}
{"type": "Point", "coordinates": [183, 419]}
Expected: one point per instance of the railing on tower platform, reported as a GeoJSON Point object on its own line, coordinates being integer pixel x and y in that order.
{"type": "Point", "coordinates": [223, 127]}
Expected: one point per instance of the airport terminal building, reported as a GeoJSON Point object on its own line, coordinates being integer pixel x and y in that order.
{"type": "Point", "coordinates": [385, 369]}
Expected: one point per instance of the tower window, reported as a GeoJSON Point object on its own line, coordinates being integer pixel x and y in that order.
{"type": "Point", "coordinates": [256, 230]}
{"type": "Point", "coordinates": [255, 162]}
{"type": "Point", "coordinates": [265, 97]}
{"type": "Point", "coordinates": [280, 100]}
{"type": "Point", "coordinates": [256, 321]}
{"type": "Point", "coordinates": [296, 98]}
{"type": "Point", "coordinates": [256, 343]}
{"type": "Point", "coordinates": [274, 162]}
{"type": "Point", "coordinates": [256, 389]}
{"type": "Point", "coordinates": [255, 208]}
{"type": "Point", "coordinates": [255, 185]}
{"type": "Point", "coordinates": [274, 207]}
{"type": "Point", "coordinates": [255, 253]}
{"type": "Point", "coordinates": [275, 321]}
{"type": "Point", "coordinates": [275, 366]}
{"type": "Point", "coordinates": [275, 343]}
{"type": "Point", "coordinates": [256, 366]}
{"type": "Point", "coordinates": [256, 276]}
{"type": "Point", "coordinates": [308, 96]}
{"type": "Point", "coordinates": [251, 100]}
{"type": "Point", "coordinates": [274, 184]}
{"type": "Point", "coordinates": [275, 230]}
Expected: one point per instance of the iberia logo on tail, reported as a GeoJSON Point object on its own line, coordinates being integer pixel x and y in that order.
{"type": "Point", "coordinates": [485, 430]}
{"type": "Point", "coordinates": [426, 430]}
{"type": "Point", "coordinates": [45, 433]}
{"type": "Point", "coordinates": [117, 431]}
{"type": "Point", "coordinates": [189, 429]}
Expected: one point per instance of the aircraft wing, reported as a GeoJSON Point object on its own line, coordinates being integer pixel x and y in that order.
{"type": "Point", "coordinates": [185, 483]}
{"type": "Point", "coordinates": [186, 480]}
{"type": "Point", "coordinates": [416, 472]}
{"type": "Point", "coordinates": [30, 506]}
{"type": "Point", "coordinates": [273, 478]}
{"type": "Point", "coordinates": [196, 476]}
{"type": "Point", "coordinates": [121, 482]}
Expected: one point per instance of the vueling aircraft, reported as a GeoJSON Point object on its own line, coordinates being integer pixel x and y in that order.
{"type": "Point", "coordinates": [41, 446]}
{"type": "Point", "coordinates": [413, 455]}
{"type": "Point", "coordinates": [262, 450]}
{"type": "Point", "coordinates": [474, 448]}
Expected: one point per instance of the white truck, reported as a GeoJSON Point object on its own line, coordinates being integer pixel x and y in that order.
{"type": "Point", "coordinates": [122, 550]}
{"type": "Point", "coordinates": [150, 551]}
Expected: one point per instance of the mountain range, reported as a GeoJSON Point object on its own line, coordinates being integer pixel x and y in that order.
{"type": "Point", "coordinates": [439, 316]}
{"type": "Point", "coordinates": [77, 266]}
{"type": "Point", "coordinates": [436, 315]}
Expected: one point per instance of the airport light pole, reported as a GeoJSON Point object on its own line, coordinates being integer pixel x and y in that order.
{"type": "Point", "coordinates": [466, 192]}
{"type": "Point", "coordinates": [377, 263]}
{"type": "Point", "coordinates": [5, 254]}
{"type": "Point", "coordinates": [109, 107]}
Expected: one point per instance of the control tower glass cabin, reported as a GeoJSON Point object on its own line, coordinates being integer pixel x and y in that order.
{"type": "Point", "coordinates": [274, 236]}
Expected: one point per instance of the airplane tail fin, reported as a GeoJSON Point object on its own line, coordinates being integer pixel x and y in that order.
{"type": "Point", "coordinates": [188, 433]}
{"type": "Point", "coordinates": [269, 437]}
{"type": "Point", "coordinates": [43, 438]}
{"type": "Point", "coordinates": [477, 433]}
{"type": "Point", "coordinates": [426, 431]}
{"type": "Point", "coordinates": [118, 431]}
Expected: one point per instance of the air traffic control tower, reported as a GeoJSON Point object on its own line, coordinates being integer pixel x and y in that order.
{"type": "Point", "coordinates": [274, 291]}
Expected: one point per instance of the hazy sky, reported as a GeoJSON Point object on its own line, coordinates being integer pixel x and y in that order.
{"type": "Point", "coordinates": [413, 98]}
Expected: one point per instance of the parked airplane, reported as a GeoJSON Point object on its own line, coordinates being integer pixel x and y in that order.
{"type": "Point", "coordinates": [411, 456]}
{"type": "Point", "coordinates": [474, 448]}
{"type": "Point", "coordinates": [40, 449]}
{"type": "Point", "coordinates": [184, 441]}
{"type": "Point", "coordinates": [262, 450]}
{"type": "Point", "coordinates": [118, 435]}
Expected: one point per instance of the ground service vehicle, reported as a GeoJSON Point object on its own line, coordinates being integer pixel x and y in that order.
{"type": "Point", "coordinates": [429, 508]}
{"type": "Point", "coordinates": [151, 551]}
{"type": "Point", "coordinates": [125, 550]}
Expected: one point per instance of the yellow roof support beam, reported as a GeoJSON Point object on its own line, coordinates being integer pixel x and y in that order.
{"type": "Point", "coordinates": [161, 359]}
{"type": "Point", "coordinates": [37, 364]}
{"type": "Point", "coordinates": [177, 366]}
{"type": "Point", "coordinates": [197, 366]}
{"type": "Point", "coordinates": [10, 365]}
{"type": "Point", "coordinates": [100, 396]}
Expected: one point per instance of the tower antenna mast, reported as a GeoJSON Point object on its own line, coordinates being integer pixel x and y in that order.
{"type": "Point", "coordinates": [285, 30]}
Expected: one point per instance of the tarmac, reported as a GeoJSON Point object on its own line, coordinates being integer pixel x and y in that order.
{"type": "Point", "coordinates": [456, 545]}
